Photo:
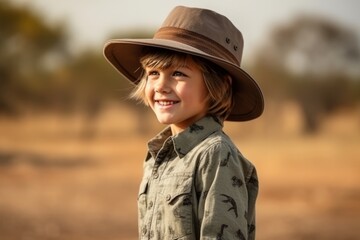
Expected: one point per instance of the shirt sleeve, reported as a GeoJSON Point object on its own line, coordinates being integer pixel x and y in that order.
{"type": "Point", "coordinates": [223, 196]}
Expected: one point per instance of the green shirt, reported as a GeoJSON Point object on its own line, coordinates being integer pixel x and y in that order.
{"type": "Point", "coordinates": [197, 185]}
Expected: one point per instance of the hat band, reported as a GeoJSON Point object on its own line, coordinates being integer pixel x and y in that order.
{"type": "Point", "coordinates": [196, 40]}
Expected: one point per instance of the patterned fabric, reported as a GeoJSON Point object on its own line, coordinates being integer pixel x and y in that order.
{"type": "Point", "coordinates": [197, 185]}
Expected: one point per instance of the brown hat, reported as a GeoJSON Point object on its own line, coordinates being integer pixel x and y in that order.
{"type": "Point", "coordinates": [202, 33]}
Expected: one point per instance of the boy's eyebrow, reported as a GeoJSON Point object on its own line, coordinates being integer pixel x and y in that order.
{"type": "Point", "coordinates": [183, 66]}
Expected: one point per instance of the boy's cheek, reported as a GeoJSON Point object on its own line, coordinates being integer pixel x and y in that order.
{"type": "Point", "coordinates": [148, 96]}
{"type": "Point", "coordinates": [148, 102]}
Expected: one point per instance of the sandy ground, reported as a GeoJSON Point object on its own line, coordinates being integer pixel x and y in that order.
{"type": "Point", "coordinates": [60, 180]}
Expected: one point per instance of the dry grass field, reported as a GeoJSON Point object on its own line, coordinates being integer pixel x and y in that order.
{"type": "Point", "coordinates": [56, 183]}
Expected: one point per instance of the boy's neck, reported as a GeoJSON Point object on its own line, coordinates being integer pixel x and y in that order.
{"type": "Point", "coordinates": [176, 129]}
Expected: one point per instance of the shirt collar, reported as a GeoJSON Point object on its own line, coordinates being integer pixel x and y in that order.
{"type": "Point", "coordinates": [187, 139]}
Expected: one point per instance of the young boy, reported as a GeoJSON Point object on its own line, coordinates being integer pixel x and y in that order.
{"type": "Point", "coordinates": [196, 183]}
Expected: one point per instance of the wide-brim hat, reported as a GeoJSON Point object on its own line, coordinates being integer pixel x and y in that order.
{"type": "Point", "coordinates": [199, 32]}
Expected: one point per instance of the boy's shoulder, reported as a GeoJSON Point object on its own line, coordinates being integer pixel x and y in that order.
{"type": "Point", "coordinates": [220, 149]}
{"type": "Point", "coordinates": [219, 139]}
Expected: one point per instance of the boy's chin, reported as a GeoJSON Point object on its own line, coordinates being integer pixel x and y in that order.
{"type": "Point", "coordinates": [164, 120]}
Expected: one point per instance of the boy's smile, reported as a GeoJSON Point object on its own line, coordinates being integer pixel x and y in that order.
{"type": "Point", "coordinates": [165, 103]}
{"type": "Point", "coordinates": [177, 94]}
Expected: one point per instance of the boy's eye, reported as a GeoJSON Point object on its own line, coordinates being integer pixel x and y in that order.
{"type": "Point", "coordinates": [179, 74]}
{"type": "Point", "coordinates": [150, 73]}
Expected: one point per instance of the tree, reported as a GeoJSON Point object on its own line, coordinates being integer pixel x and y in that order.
{"type": "Point", "coordinates": [313, 61]}
{"type": "Point", "coordinates": [27, 47]}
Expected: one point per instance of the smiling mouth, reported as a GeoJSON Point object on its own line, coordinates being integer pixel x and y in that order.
{"type": "Point", "coordinates": [165, 103]}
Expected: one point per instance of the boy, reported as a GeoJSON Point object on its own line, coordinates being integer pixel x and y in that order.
{"type": "Point", "coordinates": [196, 184]}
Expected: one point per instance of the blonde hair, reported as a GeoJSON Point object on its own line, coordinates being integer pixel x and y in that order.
{"type": "Point", "coordinates": [216, 79]}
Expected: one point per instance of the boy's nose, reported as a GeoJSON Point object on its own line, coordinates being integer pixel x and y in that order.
{"type": "Point", "coordinates": [162, 85]}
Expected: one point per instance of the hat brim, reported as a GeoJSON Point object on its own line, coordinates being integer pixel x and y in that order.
{"type": "Point", "coordinates": [124, 55]}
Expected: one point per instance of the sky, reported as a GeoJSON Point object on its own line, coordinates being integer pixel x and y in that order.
{"type": "Point", "coordinates": [91, 22]}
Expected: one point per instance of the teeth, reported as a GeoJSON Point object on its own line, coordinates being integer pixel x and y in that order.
{"type": "Point", "coordinates": [165, 103]}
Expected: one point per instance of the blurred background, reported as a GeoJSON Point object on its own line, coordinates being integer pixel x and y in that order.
{"type": "Point", "coordinates": [72, 144]}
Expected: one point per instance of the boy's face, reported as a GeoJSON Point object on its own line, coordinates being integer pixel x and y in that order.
{"type": "Point", "coordinates": [177, 94]}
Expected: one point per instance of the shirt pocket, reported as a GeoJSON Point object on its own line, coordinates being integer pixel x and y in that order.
{"type": "Point", "coordinates": [178, 205]}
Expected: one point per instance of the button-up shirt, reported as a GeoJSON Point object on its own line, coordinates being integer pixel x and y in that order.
{"type": "Point", "coordinates": [197, 185]}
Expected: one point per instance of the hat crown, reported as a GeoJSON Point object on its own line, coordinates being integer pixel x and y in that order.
{"type": "Point", "coordinates": [215, 30]}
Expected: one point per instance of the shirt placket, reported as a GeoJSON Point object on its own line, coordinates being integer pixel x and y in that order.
{"type": "Point", "coordinates": [149, 229]}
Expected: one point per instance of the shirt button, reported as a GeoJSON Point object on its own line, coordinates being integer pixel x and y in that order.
{"type": "Point", "coordinates": [168, 197]}
{"type": "Point", "coordinates": [151, 204]}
